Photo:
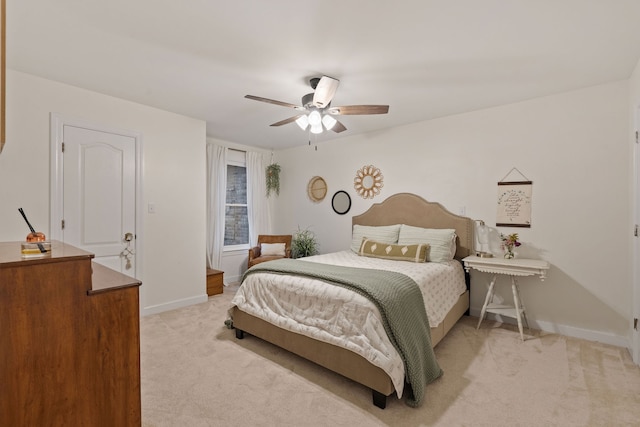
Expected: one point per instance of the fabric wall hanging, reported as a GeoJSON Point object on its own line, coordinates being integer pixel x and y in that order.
{"type": "Point", "coordinates": [514, 201]}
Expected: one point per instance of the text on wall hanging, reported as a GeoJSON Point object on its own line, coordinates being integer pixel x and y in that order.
{"type": "Point", "coordinates": [514, 202]}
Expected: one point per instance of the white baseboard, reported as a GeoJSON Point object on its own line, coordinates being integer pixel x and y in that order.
{"type": "Point", "coordinates": [586, 334]}
{"type": "Point", "coordinates": [570, 331]}
{"type": "Point", "coordinates": [172, 305]}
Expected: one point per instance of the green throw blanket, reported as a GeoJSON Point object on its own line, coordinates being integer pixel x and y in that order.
{"type": "Point", "coordinates": [400, 303]}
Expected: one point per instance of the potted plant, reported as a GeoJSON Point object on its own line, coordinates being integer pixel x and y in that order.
{"type": "Point", "coordinates": [303, 244]}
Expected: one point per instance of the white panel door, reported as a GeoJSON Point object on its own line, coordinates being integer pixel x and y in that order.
{"type": "Point", "coordinates": [99, 195]}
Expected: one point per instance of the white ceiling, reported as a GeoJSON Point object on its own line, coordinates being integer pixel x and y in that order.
{"type": "Point", "coordinates": [424, 58]}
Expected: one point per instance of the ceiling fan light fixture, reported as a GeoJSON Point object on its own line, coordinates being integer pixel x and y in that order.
{"type": "Point", "coordinates": [315, 119]}
{"type": "Point", "coordinates": [328, 122]}
{"type": "Point", "coordinates": [315, 113]}
{"type": "Point", "coordinates": [316, 128]}
{"type": "Point", "coordinates": [303, 122]}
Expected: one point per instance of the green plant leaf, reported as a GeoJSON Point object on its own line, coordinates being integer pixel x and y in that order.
{"type": "Point", "coordinates": [304, 243]}
{"type": "Point", "coordinates": [272, 174]}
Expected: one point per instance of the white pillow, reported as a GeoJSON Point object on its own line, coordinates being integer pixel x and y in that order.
{"type": "Point", "coordinates": [442, 241]}
{"type": "Point", "coordinates": [382, 234]}
{"type": "Point", "coordinates": [272, 249]}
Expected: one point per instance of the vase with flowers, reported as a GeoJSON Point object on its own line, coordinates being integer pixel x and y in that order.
{"type": "Point", "coordinates": [508, 243]}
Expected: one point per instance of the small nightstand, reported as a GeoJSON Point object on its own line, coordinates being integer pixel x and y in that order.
{"type": "Point", "coordinates": [516, 267]}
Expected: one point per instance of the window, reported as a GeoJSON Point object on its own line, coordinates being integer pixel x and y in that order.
{"type": "Point", "coordinates": [236, 228]}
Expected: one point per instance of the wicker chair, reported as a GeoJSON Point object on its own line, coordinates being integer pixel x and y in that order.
{"type": "Point", "coordinates": [255, 256]}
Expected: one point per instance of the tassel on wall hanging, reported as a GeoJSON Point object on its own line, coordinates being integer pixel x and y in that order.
{"type": "Point", "coordinates": [514, 201]}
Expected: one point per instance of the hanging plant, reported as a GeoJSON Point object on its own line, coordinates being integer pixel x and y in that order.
{"type": "Point", "coordinates": [273, 179]}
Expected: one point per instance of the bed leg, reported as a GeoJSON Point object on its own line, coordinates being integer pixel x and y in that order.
{"type": "Point", "coordinates": [239, 334]}
{"type": "Point", "coordinates": [379, 399]}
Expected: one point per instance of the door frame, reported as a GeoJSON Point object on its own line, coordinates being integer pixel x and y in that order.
{"type": "Point", "coordinates": [58, 121]}
{"type": "Point", "coordinates": [635, 305]}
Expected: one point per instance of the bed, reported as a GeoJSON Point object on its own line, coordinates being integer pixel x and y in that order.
{"type": "Point", "coordinates": [403, 208]}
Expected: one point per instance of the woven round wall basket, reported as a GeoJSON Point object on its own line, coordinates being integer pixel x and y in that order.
{"type": "Point", "coordinates": [317, 189]}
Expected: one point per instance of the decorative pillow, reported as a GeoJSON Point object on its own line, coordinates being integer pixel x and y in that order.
{"type": "Point", "coordinates": [442, 241]}
{"type": "Point", "coordinates": [413, 253]}
{"type": "Point", "coordinates": [272, 249]}
{"type": "Point", "coordinates": [383, 233]}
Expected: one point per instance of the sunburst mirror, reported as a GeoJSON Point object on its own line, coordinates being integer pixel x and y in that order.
{"type": "Point", "coordinates": [368, 182]}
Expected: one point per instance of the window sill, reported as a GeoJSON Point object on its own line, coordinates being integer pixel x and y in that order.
{"type": "Point", "coordinates": [236, 249]}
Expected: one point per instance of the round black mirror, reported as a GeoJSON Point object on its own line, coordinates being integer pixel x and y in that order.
{"type": "Point", "coordinates": [341, 202]}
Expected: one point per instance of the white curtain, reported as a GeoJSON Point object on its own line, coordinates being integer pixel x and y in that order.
{"type": "Point", "coordinates": [216, 196]}
{"type": "Point", "coordinates": [258, 204]}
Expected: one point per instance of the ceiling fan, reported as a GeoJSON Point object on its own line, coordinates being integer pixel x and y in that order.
{"type": "Point", "coordinates": [316, 112]}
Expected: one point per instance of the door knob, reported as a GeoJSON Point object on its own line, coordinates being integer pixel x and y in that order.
{"type": "Point", "coordinates": [127, 253]}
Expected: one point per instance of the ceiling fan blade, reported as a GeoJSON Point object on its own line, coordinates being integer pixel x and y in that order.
{"type": "Point", "coordinates": [287, 121]}
{"type": "Point", "coordinates": [358, 110]}
{"type": "Point", "coordinates": [325, 90]}
{"type": "Point", "coordinates": [273, 101]}
{"type": "Point", "coordinates": [338, 127]}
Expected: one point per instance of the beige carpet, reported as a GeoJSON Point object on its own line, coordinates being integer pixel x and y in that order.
{"type": "Point", "coordinates": [195, 373]}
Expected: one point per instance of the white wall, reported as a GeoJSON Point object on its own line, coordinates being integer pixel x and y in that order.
{"type": "Point", "coordinates": [573, 146]}
{"type": "Point", "coordinates": [174, 165]}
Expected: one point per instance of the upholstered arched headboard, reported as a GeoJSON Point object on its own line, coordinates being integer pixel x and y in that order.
{"type": "Point", "coordinates": [411, 209]}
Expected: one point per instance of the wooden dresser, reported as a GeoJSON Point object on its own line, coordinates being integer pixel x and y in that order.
{"type": "Point", "coordinates": [70, 336]}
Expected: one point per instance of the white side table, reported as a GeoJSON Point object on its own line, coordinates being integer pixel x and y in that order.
{"type": "Point", "coordinates": [516, 267]}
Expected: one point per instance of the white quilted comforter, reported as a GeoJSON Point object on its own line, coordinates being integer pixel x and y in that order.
{"type": "Point", "coordinates": [344, 318]}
